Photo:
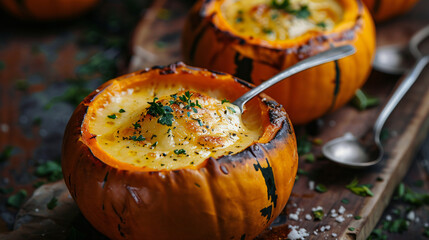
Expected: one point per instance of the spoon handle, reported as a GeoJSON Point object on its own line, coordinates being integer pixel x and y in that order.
{"type": "Point", "coordinates": [318, 59]}
{"type": "Point", "coordinates": [405, 85]}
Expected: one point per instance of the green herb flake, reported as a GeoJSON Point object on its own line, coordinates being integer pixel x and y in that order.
{"type": "Point", "coordinates": [137, 139]}
{"type": "Point", "coordinates": [321, 25]}
{"type": "Point", "coordinates": [113, 116]}
{"type": "Point", "coordinates": [6, 153]}
{"type": "Point", "coordinates": [180, 151]}
{"type": "Point", "coordinates": [345, 201]}
{"type": "Point", "coordinates": [225, 101]}
{"type": "Point", "coordinates": [351, 228]}
{"type": "Point", "coordinates": [302, 172]}
{"type": "Point", "coordinates": [154, 145]}
{"type": "Point", "coordinates": [121, 110]}
{"type": "Point", "coordinates": [360, 189]}
{"type": "Point", "coordinates": [377, 234]}
{"type": "Point", "coordinates": [303, 12]}
{"type": "Point", "coordinates": [363, 101]}
{"type": "Point", "coordinates": [164, 113]}
{"type": "Point", "coordinates": [52, 170]}
{"type": "Point", "coordinates": [309, 158]}
{"type": "Point", "coordinates": [17, 199]}
{"type": "Point", "coordinates": [267, 30]}
{"type": "Point", "coordinates": [397, 226]}
{"type": "Point", "coordinates": [321, 188]}
{"type": "Point", "coordinates": [52, 203]}
{"type": "Point", "coordinates": [136, 125]}
{"type": "Point", "coordinates": [357, 217]}
{"type": "Point", "coordinates": [231, 109]}
{"type": "Point", "coordinates": [304, 145]}
{"type": "Point", "coordinates": [200, 122]}
{"type": "Point", "coordinates": [318, 214]}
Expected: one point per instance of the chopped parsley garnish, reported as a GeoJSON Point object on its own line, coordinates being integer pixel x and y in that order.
{"type": "Point", "coordinates": [321, 188]}
{"type": "Point", "coordinates": [360, 189]}
{"type": "Point", "coordinates": [113, 116]}
{"type": "Point", "coordinates": [179, 151]}
{"type": "Point", "coordinates": [225, 101]}
{"type": "Point", "coordinates": [136, 125]}
{"type": "Point", "coordinates": [302, 12]}
{"type": "Point", "coordinates": [363, 101]}
{"type": "Point", "coordinates": [309, 157]}
{"type": "Point", "coordinates": [137, 139]}
{"type": "Point", "coordinates": [318, 214]}
{"type": "Point", "coordinates": [231, 109]}
{"type": "Point", "coordinates": [154, 145]}
{"type": "Point", "coordinates": [267, 31]}
{"type": "Point", "coordinates": [52, 204]}
{"type": "Point", "coordinates": [51, 169]}
{"type": "Point", "coordinates": [200, 122]}
{"type": "Point", "coordinates": [164, 113]}
{"type": "Point", "coordinates": [351, 228]}
{"type": "Point", "coordinates": [121, 110]}
{"type": "Point", "coordinates": [321, 24]}
{"type": "Point", "coordinates": [345, 201]}
{"type": "Point", "coordinates": [17, 199]}
{"type": "Point", "coordinates": [357, 217]}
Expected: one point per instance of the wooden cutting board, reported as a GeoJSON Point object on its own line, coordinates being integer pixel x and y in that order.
{"type": "Point", "coordinates": [156, 41]}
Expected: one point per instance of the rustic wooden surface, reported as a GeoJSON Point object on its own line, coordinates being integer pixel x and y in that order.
{"type": "Point", "coordinates": [409, 125]}
{"type": "Point", "coordinates": [39, 58]}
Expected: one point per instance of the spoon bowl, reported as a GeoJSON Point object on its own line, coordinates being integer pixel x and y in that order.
{"type": "Point", "coordinates": [393, 59]}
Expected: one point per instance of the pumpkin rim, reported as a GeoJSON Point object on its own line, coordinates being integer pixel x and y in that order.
{"type": "Point", "coordinates": [270, 125]}
{"type": "Point", "coordinates": [210, 11]}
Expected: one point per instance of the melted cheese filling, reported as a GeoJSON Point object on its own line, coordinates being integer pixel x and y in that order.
{"type": "Point", "coordinates": [281, 19]}
{"type": "Point", "coordinates": [170, 129]}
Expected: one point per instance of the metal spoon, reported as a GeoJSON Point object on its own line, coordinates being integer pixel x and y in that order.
{"type": "Point", "coordinates": [318, 59]}
{"type": "Point", "coordinates": [397, 59]}
{"type": "Point", "coordinates": [348, 151]}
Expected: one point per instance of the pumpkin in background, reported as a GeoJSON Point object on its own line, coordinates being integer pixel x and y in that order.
{"type": "Point", "coordinates": [234, 195]}
{"type": "Point", "coordinates": [210, 41]}
{"type": "Point", "coordinates": [385, 9]}
{"type": "Point", "coordinates": [47, 9]}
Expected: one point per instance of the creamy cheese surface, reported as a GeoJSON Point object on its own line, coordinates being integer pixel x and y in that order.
{"type": "Point", "coordinates": [170, 129]}
{"type": "Point", "coordinates": [281, 19]}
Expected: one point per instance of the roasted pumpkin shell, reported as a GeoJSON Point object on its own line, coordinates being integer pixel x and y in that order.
{"type": "Point", "coordinates": [208, 41]}
{"type": "Point", "coordinates": [232, 197]}
{"type": "Point", "coordinates": [383, 10]}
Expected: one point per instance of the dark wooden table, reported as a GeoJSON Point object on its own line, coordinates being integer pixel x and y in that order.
{"type": "Point", "coordinates": [47, 68]}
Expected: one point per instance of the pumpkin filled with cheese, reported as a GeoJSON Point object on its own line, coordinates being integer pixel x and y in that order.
{"type": "Point", "coordinates": [256, 39]}
{"type": "Point", "coordinates": [164, 154]}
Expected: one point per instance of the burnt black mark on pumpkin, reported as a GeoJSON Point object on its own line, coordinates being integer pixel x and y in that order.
{"type": "Point", "coordinates": [243, 237]}
{"type": "Point", "coordinates": [337, 84]}
{"type": "Point", "coordinates": [376, 7]}
{"type": "Point", "coordinates": [120, 231]}
{"type": "Point", "coordinates": [117, 214]}
{"type": "Point", "coordinates": [244, 67]}
{"type": "Point", "coordinates": [105, 179]}
{"type": "Point", "coordinates": [242, 82]}
{"type": "Point", "coordinates": [217, 73]}
{"type": "Point", "coordinates": [267, 173]}
{"type": "Point", "coordinates": [195, 43]}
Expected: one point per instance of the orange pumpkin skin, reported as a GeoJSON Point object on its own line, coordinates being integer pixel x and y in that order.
{"type": "Point", "coordinates": [383, 10]}
{"type": "Point", "coordinates": [231, 197]}
{"type": "Point", "coordinates": [209, 42]}
{"type": "Point", "coordinates": [44, 10]}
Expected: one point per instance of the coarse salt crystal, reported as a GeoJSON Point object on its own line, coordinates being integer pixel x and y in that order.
{"type": "Point", "coordinates": [334, 215]}
{"type": "Point", "coordinates": [317, 208]}
{"type": "Point", "coordinates": [342, 210]}
{"type": "Point", "coordinates": [293, 216]}
{"type": "Point", "coordinates": [340, 219]}
{"type": "Point", "coordinates": [297, 234]}
{"type": "Point", "coordinates": [308, 217]}
{"type": "Point", "coordinates": [349, 215]}
{"type": "Point", "coordinates": [411, 216]}
{"type": "Point", "coordinates": [334, 235]}
{"type": "Point", "coordinates": [388, 218]}
{"type": "Point", "coordinates": [311, 185]}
